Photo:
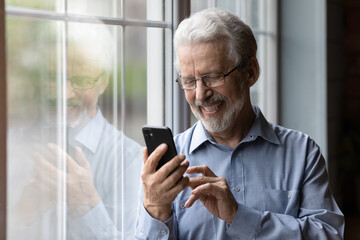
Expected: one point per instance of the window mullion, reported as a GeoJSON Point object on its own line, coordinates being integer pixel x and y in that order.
{"type": "Point", "coordinates": [181, 111]}
{"type": "Point", "coordinates": [3, 126]}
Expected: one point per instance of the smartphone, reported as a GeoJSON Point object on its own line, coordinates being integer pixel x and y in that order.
{"type": "Point", "coordinates": [156, 135]}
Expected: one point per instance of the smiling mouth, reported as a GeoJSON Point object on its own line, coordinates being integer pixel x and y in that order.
{"type": "Point", "coordinates": [212, 108]}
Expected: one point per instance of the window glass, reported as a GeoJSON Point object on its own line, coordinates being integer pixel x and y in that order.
{"type": "Point", "coordinates": [77, 99]}
{"type": "Point", "coordinates": [135, 81]}
{"type": "Point", "coordinates": [37, 4]}
{"type": "Point", "coordinates": [105, 8]}
{"type": "Point", "coordinates": [28, 67]}
{"type": "Point", "coordinates": [33, 74]}
{"type": "Point", "coordinates": [136, 9]}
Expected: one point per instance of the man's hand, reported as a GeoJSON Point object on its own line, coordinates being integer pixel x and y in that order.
{"type": "Point", "coordinates": [36, 198]}
{"type": "Point", "coordinates": [213, 192]}
{"type": "Point", "coordinates": [161, 187]}
{"type": "Point", "coordinates": [81, 192]}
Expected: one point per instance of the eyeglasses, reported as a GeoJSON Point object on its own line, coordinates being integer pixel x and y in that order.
{"type": "Point", "coordinates": [84, 82]}
{"type": "Point", "coordinates": [209, 80]}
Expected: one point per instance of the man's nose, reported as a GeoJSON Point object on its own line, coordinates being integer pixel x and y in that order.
{"type": "Point", "coordinates": [202, 91]}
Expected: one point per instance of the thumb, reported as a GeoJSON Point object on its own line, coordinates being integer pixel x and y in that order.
{"type": "Point", "coordinates": [145, 154]}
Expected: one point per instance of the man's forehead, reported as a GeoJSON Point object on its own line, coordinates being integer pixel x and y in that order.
{"type": "Point", "coordinates": [203, 51]}
{"type": "Point", "coordinates": [210, 55]}
{"type": "Point", "coordinates": [213, 46]}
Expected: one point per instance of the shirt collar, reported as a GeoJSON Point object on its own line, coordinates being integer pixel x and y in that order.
{"type": "Point", "coordinates": [199, 136]}
{"type": "Point", "coordinates": [90, 135]}
{"type": "Point", "coordinates": [260, 127]}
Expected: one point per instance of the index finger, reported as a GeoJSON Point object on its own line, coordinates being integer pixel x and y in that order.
{"type": "Point", "coordinates": [56, 149]}
{"type": "Point", "coordinates": [46, 153]}
{"type": "Point", "coordinates": [194, 182]}
{"type": "Point", "coordinates": [204, 170]}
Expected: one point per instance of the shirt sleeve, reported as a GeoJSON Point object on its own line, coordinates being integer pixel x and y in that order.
{"type": "Point", "coordinates": [148, 228]}
{"type": "Point", "coordinates": [318, 217]}
{"type": "Point", "coordinates": [96, 224]}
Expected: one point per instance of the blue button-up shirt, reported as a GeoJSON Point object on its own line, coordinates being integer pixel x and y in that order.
{"type": "Point", "coordinates": [278, 177]}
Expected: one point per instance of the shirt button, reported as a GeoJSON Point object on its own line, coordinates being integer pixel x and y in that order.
{"type": "Point", "coordinates": [163, 232]}
{"type": "Point", "coordinates": [182, 205]}
{"type": "Point", "coordinates": [237, 189]}
{"type": "Point", "coordinates": [289, 195]}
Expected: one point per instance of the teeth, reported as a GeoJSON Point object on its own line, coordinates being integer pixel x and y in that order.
{"type": "Point", "coordinates": [211, 107]}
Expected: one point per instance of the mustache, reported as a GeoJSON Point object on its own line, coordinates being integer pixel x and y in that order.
{"type": "Point", "coordinates": [51, 101]}
{"type": "Point", "coordinates": [210, 100]}
{"type": "Point", "coordinates": [73, 102]}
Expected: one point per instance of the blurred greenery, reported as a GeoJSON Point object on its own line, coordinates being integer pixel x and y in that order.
{"type": "Point", "coordinates": [135, 79]}
{"type": "Point", "coordinates": [28, 54]}
{"type": "Point", "coordinates": [38, 4]}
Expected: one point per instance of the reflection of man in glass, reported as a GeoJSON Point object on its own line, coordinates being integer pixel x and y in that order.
{"type": "Point", "coordinates": [81, 178]}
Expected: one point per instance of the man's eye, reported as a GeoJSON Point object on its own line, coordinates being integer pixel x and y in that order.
{"type": "Point", "coordinates": [188, 81]}
{"type": "Point", "coordinates": [213, 77]}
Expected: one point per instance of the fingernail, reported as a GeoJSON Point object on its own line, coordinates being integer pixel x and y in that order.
{"type": "Point", "coordinates": [182, 156]}
{"type": "Point", "coordinates": [184, 163]}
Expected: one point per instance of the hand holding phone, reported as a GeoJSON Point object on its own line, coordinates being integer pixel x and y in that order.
{"type": "Point", "coordinates": [156, 135]}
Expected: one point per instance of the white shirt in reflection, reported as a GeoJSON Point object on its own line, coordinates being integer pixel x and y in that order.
{"type": "Point", "coordinates": [115, 161]}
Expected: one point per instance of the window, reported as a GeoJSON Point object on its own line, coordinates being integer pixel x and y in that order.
{"type": "Point", "coordinates": [78, 77]}
{"type": "Point", "coordinates": [83, 77]}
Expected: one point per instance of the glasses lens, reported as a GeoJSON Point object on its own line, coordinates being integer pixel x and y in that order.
{"type": "Point", "coordinates": [214, 79]}
{"type": "Point", "coordinates": [82, 82]}
{"type": "Point", "coordinates": [187, 83]}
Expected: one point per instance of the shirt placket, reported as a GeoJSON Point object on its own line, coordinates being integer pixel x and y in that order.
{"type": "Point", "coordinates": [237, 173]}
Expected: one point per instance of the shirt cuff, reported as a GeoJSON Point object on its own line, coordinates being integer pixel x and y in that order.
{"type": "Point", "coordinates": [93, 223]}
{"type": "Point", "coordinates": [151, 228]}
{"type": "Point", "coordinates": [245, 224]}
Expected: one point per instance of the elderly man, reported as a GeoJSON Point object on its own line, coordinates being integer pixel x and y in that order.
{"type": "Point", "coordinates": [246, 178]}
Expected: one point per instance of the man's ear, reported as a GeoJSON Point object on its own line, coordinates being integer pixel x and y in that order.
{"type": "Point", "coordinates": [253, 71]}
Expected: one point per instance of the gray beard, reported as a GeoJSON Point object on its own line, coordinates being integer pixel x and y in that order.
{"type": "Point", "coordinates": [219, 123]}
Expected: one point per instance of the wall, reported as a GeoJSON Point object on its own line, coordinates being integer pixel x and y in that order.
{"type": "Point", "coordinates": [340, 83]}
{"type": "Point", "coordinates": [335, 73]}
{"type": "Point", "coordinates": [352, 60]}
{"type": "Point", "coordinates": [303, 68]}
{"type": "Point", "coordinates": [348, 148]}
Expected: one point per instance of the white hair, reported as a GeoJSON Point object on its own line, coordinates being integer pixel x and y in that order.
{"type": "Point", "coordinates": [91, 46]}
{"type": "Point", "coordinates": [216, 25]}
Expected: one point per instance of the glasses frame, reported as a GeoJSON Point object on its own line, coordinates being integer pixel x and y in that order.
{"type": "Point", "coordinates": [204, 81]}
{"type": "Point", "coordinates": [91, 85]}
